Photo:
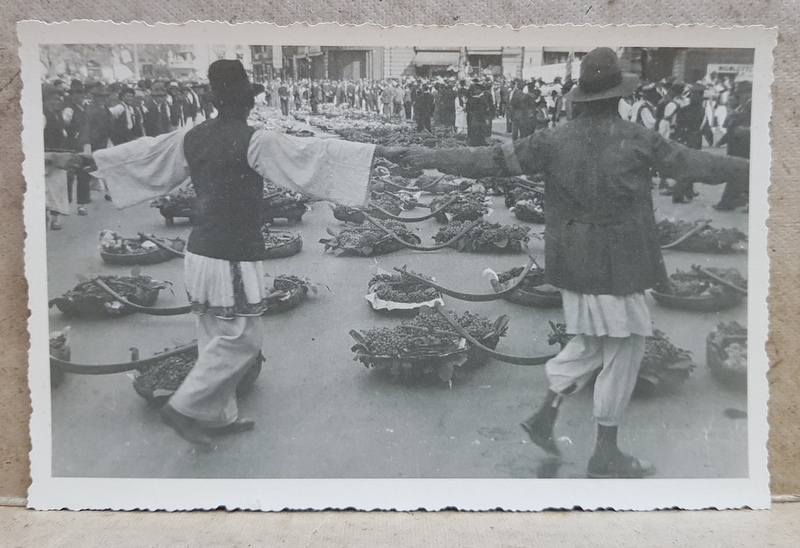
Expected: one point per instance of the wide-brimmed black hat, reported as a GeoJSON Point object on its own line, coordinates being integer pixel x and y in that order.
{"type": "Point", "coordinates": [229, 80]}
{"type": "Point", "coordinates": [602, 78]}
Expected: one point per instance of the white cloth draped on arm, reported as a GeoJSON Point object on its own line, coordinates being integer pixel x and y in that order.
{"type": "Point", "coordinates": [337, 171]}
{"type": "Point", "coordinates": [143, 169]}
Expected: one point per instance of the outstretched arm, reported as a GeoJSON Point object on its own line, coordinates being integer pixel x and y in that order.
{"type": "Point", "coordinates": [689, 165]}
{"type": "Point", "coordinates": [466, 162]}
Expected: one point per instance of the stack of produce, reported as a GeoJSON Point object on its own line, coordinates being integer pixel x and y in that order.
{"type": "Point", "coordinates": [180, 203]}
{"type": "Point", "coordinates": [518, 193]}
{"type": "Point", "coordinates": [663, 365]}
{"type": "Point", "coordinates": [389, 292]}
{"type": "Point", "coordinates": [282, 203]}
{"type": "Point", "coordinates": [115, 249]}
{"type": "Point", "coordinates": [530, 210]}
{"type": "Point", "coordinates": [498, 186]}
{"type": "Point", "coordinates": [485, 237]}
{"type": "Point", "coordinates": [467, 206]}
{"type": "Point", "coordinates": [88, 300]}
{"type": "Point", "coordinates": [726, 353]}
{"type": "Point", "coordinates": [156, 382]}
{"type": "Point", "coordinates": [708, 240]}
{"type": "Point", "coordinates": [425, 345]}
{"type": "Point", "coordinates": [533, 291]}
{"type": "Point", "coordinates": [281, 243]}
{"type": "Point", "coordinates": [367, 240]}
{"type": "Point", "coordinates": [287, 292]}
{"type": "Point", "coordinates": [693, 290]}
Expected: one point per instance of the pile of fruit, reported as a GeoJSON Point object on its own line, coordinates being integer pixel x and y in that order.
{"type": "Point", "coordinates": [467, 207]}
{"type": "Point", "coordinates": [183, 199]}
{"type": "Point", "coordinates": [395, 169]}
{"type": "Point", "coordinates": [728, 350]}
{"type": "Point", "coordinates": [279, 197]}
{"type": "Point", "coordinates": [533, 279]}
{"type": "Point", "coordinates": [426, 344]}
{"type": "Point", "coordinates": [400, 289]}
{"type": "Point", "coordinates": [441, 184]}
{"type": "Point", "coordinates": [517, 193]}
{"type": "Point", "coordinates": [367, 240]}
{"type": "Point", "coordinates": [664, 364]}
{"type": "Point", "coordinates": [708, 240]}
{"type": "Point", "coordinates": [485, 237]}
{"type": "Point", "coordinates": [531, 211]}
{"type": "Point", "coordinates": [167, 374]}
{"type": "Point", "coordinates": [694, 284]}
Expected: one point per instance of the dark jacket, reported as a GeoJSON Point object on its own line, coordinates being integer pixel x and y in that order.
{"type": "Point", "coordinates": [601, 235]}
{"type": "Point", "coordinates": [156, 119]}
{"type": "Point", "coordinates": [98, 127]}
{"type": "Point", "coordinates": [229, 211]}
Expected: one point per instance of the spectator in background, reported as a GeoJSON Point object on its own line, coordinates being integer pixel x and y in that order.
{"type": "Point", "coordinates": [737, 137]}
{"type": "Point", "coordinates": [157, 115]}
{"type": "Point", "coordinates": [423, 108]}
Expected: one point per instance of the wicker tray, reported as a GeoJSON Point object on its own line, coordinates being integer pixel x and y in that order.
{"type": "Point", "coordinates": [382, 248]}
{"type": "Point", "coordinates": [296, 296]}
{"type": "Point", "coordinates": [92, 307]}
{"type": "Point", "coordinates": [160, 396]}
{"type": "Point", "coordinates": [287, 249]}
{"type": "Point", "coordinates": [536, 298]}
{"type": "Point", "coordinates": [709, 303]}
{"type": "Point", "coordinates": [715, 359]}
{"type": "Point", "coordinates": [153, 256]}
{"type": "Point", "coordinates": [462, 357]}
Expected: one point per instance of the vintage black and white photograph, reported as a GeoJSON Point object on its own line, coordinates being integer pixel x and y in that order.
{"type": "Point", "coordinates": [294, 267]}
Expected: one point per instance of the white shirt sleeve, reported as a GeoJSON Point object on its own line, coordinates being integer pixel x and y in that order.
{"type": "Point", "coordinates": [143, 169]}
{"type": "Point", "coordinates": [334, 170]}
{"type": "Point", "coordinates": [648, 119]}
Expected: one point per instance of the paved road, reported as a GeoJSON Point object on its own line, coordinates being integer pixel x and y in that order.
{"type": "Point", "coordinates": [321, 415]}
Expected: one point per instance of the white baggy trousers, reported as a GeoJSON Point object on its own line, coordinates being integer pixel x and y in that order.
{"type": "Point", "coordinates": [619, 358]}
{"type": "Point", "coordinates": [610, 333]}
{"type": "Point", "coordinates": [227, 349]}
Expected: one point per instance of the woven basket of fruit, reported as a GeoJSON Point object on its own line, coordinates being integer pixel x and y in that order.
{"type": "Point", "coordinates": [664, 365]}
{"type": "Point", "coordinates": [699, 237]}
{"type": "Point", "coordinates": [469, 206]}
{"type": "Point", "coordinates": [88, 300]}
{"type": "Point", "coordinates": [367, 240]}
{"type": "Point", "coordinates": [158, 380]}
{"type": "Point", "coordinates": [287, 293]}
{"type": "Point", "coordinates": [726, 354]}
{"type": "Point", "coordinates": [176, 204]}
{"type": "Point", "coordinates": [485, 237]}
{"type": "Point", "coordinates": [356, 214]}
{"type": "Point", "coordinates": [426, 346]}
{"type": "Point", "coordinates": [281, 243]}
{"type": "Point", "coordinates": [396, 169]}
{"type": "Point", "coordinates": [698, 292]}
{"type": "Point", "coordinates": [530, 210]}
{"type": "Point", "coordinates": [395, 293]}
{"type": "Point", "coordinates": [533, 291]}
{"type": "Point", "coordinates": [114, 249]}
{"type": "Point", "coordinates": [519, 193]}
{"type": "Point", "coordinates": [281, 203]}
{"type": "Point", "coordinates": [498, 186]}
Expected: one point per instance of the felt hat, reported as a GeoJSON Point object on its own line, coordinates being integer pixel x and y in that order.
{"type": "Point", "coordinates": [230, 84]}
{"type": "Point", "coordinates": [602, 78]}
{"type": "Point", "coordinates": [76, 86]}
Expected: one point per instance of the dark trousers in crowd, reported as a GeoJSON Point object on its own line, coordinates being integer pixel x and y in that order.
{"type": "Point", "coordinates": [82, 182]}
{"type": "Point", "coordinates": [407, 107]}
{"type": "Point", "coordinates": [285, 106]}
{"type": "Point", "coordinates": [424, 122]}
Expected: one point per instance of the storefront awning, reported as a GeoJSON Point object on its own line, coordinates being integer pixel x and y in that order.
{"type": "Point", "coordinates": [484, 51]}
{"type": "Point", "coordinates": [436, 58]}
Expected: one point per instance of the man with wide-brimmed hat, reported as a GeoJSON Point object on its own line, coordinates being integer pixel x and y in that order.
{"type": "Point", "coordinates": [601, 243]}
{"type": "Point", "coordinates": [228, 161]}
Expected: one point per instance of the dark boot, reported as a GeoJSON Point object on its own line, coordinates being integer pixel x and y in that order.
{"type": "Point", "coordinates": [609, 462]}
{"type": "Point", "coordinates": [539, 426]}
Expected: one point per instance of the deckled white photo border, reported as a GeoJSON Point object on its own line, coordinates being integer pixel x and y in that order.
{"type": "Point", "coordinates": [49, 492]}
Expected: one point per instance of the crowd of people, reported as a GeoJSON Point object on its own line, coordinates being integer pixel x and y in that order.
{"type": "Point", "coordinates": [84, 117]}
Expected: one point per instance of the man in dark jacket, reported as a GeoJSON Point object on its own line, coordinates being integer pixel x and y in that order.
{"type": "Point", "coordinates": [156, 117]}
{"type": "Point", "coordinates": [423, 108]}
{"type": "Point", "coordinates": [601, 243]}
{"type": "Point", "coordinates": [737, 138]}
